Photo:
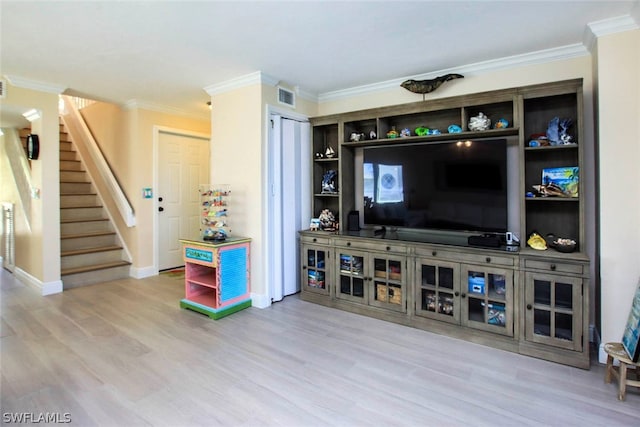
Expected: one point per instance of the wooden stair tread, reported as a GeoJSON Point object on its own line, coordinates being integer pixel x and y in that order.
{"type": "Point", "coordinates": [71, 221]}
{"type": "Point", "coordinates": [78, 194]}
{"type": "Point", "coordinates": [91, 250]}
{"type": "Point", "coordinates": [96, 267]}
{"type": "Point", "coordinates": [93, 234]}
{"type": "Point", "coordinates": [81, 207]}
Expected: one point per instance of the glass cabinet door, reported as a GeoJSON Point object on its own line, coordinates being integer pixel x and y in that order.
{"type": "Point", "coordinates": [438, 295]}
{"type": "Point", "coordinates": [488, 293]}
{"type": "Point", "coordinates": [351, 276]}
{"type": "Point", "coordinates": [554, 310]}
{"type": "Point", "coordinates": [315, 269]}
{"type": "Point", "coordinates": [389, 290]}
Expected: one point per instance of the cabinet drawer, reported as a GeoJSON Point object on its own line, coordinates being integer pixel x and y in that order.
{"type": "Point", "coordinates": [489, 259]}
{"type": "Point", "coordinates": [559, 267]}
{"type": "Point", "coordinates": [372, 246]}
{"type": "Point", "coordinates": [318, 240]}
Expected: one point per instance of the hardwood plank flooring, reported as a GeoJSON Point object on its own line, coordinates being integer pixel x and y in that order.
{"type": "Point", "coordinates": [124, 353]}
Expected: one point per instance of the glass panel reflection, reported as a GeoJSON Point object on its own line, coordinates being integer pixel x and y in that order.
{"type": "Point", "coordinates": [564, 295]}
{"type": "Point", "coordinates": [542, 322]}
{"type": "Point", "coordinates": [542, 292]}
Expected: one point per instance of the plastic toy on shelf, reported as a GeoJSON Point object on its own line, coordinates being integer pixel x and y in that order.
{"type": "Point", "coordinates": [214, 215]}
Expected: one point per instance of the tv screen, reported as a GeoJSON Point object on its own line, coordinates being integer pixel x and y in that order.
{"type": "Point", "coordinates": [447, 186]}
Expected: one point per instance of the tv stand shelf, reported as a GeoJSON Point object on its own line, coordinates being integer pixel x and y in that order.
{"type": "Point", "coordinates": [422, 271]}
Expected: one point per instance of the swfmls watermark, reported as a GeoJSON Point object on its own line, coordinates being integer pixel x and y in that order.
{"type": "Point", "coordinates": [36, 417]}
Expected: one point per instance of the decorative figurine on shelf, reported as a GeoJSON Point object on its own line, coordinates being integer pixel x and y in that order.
{"type": "Point", "coordinates": [479, 122]}
{"type": "Point", "coordinates": [422, 131]}
{"type": "Point", "coordinates": [393, 133]}
{"type": "Point", "coordinates": [426, 86]}
{"type": "Point", "coordinates": [328, 182]}
{"type": "Point", "coordinates": [357, 136]}
{"type": "Point", "coordinates": [373, 135]}
{"type": "Point", "coordinates": [433, 132]}
{"type": "Point", "coordinates": [563, 130]}
{"type": "Point", "coordinates": [501, 124]}
{"type": "Point", "coordinates": [329, 153]}
{"type": "Point", "coordinates": [319, 156]}
{"type": "Point", "coordinates": [454, 129]}
{"type": "Point", "coordinates": [327, 220]}
{"type": "Point", "coordinates": [405, 133]}
{"type": "Point", "coordinates": [315, 224]}
{"type": "Point", "coordinates": [553, 133]}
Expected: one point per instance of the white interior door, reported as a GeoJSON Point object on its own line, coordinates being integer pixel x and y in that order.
{"type": "Point", "coordinates": [289, 208]}
{"type": "Point", "coordinates": [183, 164]}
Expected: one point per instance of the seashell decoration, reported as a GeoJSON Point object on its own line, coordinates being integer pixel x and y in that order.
{"type": "Point", "coordinates": [479, 122]}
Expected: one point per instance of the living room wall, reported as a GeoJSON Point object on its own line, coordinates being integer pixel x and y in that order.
{"type": "Point", "coordinates": [40, 241]}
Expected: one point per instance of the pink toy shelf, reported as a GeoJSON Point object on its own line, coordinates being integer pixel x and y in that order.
{"type": "Point", "coordinates": [216, 276]}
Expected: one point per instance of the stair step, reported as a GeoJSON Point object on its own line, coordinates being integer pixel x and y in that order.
{"type": "Point", "coordinates": [90, 256]}
{"type": "Point", "coordinates": [75, 187]}
{"type": "Point", "coordinates": [77, 241]}
{"type": "Point", "coordinates": [91, 250]}
{"type": "Point", "coordinates": [83, 276]}
{"type": "Point", "coordinates": [71, 165]}
{"type": "Point", "coordinates": [81, 212]}
{"type": "Point", "coordinates": [74, 176]}
{"type": "Point", "coordinates": [68, 155]}
{"type": "Point", "coordinates": [75, 226]}
{"type": "Point", "coordinates": [79, 200]}
{"type": "Point", "coordinates": [96, 267]}
{"type": "Point", "coordinates": [66, 145]}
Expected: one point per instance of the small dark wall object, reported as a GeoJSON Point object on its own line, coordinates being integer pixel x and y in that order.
{"type": "Point", "coordinates": [426, 86]}
{"type": "Point", "coordinates": [33, 146]}
{"type": "Point", "coordinates": [353, 221]}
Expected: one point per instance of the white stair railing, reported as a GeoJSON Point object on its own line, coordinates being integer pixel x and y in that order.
{"type": "Point", "coordinates": [20, 168]}
{"type": "Point", "coordinates": [81, 134]}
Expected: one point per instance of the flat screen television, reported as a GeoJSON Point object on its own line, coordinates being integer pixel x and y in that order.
{"type": "Point", "coordinates": [460, 186]}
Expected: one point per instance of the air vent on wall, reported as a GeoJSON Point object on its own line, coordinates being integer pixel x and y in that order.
{"type": "Point", "coordinates": [286, 97]}
{"type": "Point", "coordinates": [3, 89]}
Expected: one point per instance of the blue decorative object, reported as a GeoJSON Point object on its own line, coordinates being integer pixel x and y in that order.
{"type": "Point", "coordinates": [433, 132]}
{"type": "Point", "coordinates": [552, 131]}
{"type": "Point", "coordinates": [564, 126]}
{"type": "Point", "coordinates": [501, 124]}
{"type": "Point", "coordinates": [328, 182]}
{"type": "Point", "coordinates": [454, 129]}
{"type": "Point", "coordinates": [405, 132]}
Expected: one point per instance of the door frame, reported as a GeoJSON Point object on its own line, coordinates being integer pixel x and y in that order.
{"type": "Point", "coordinates": [267, 233]}
{"type": "Point", "coordinates": [157, 130]}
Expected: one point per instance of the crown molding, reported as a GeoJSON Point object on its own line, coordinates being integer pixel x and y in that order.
{"type": "Point", "coordinates": [134, 104]}
{"type": "Point", "coordinates": [606, 27]}
{"type": "Point", "coordinates": [24, 83]}
{"type": "Point", "coordinates": [257, 77]}
{"type": "Point", "coordinates": [532, 58]}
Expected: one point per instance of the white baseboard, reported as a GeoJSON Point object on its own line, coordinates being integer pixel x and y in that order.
{"type": "Point", "coordinates": [141, 273]}
{"type": "Point", "coordinates": [45, 288]}
{"type": "Point", "coordinates": [260, 300]}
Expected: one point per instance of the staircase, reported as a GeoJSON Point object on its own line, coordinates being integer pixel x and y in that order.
{"type": "Point", "coordinates": [90, 249]}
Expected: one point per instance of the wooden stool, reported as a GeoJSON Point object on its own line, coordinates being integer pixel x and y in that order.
{"type": "Point", "coordinates": [615, 350]}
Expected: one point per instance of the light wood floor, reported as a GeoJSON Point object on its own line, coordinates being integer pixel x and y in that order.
{"type": "Point", "coordinates": [123, 353]}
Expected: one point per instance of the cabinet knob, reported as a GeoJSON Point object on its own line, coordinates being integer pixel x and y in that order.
{"type": "Point", "coordinates": [160, 209]}
{"type": "Point", "coordinates": [463, 295]}
{"type": "Point", "coordinates": [348, 243]}
{"type": "Point", "coordinates": [388, 248]}
{"type": "Point", "coordinates": [488, 259]}
{"type": "Point", "coordinates": [315, 240]}
{"type": "Point", "coordinates": [456, 293]}
{"type": "Point", "coordinates": [529, 307]}
{"type": "Point", "coordinates": [434, 253]}
{"type": "Point", "coordinates": [304, 267]}
{"type": "Point", "coordinates": [553, 267]}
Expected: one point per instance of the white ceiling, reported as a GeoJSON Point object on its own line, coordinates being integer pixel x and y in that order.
{"type": "Point", "coordinates": [164, 53]}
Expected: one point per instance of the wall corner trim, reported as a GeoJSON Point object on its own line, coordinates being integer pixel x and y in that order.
{"type": "Point", "coordinates": [254, 78]}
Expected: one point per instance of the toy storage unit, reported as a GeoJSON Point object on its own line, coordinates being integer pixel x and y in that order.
{"type": "Point", "coordinates": [216, 276]}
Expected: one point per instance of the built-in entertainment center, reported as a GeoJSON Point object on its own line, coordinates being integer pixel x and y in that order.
{"type": "Point", "coordinates": [429, 211]}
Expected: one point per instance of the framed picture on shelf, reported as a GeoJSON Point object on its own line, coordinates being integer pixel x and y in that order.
{"type": "Point", "coordinates": [631, 334]}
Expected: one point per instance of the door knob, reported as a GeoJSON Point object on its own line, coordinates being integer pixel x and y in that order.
{"type": "Point", "coordinates": [159, 199]}
{"type": "Point", "coordinates": [160, 209]}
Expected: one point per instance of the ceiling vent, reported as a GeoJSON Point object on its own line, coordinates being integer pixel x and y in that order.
{"type": "Point", "coordinates": [286, 97]}
{"type": "Point", "coordinates": [3, 89]}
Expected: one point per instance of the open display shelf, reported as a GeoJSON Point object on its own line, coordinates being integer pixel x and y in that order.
{"type": "Point", "coordinates": [422, 277]}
